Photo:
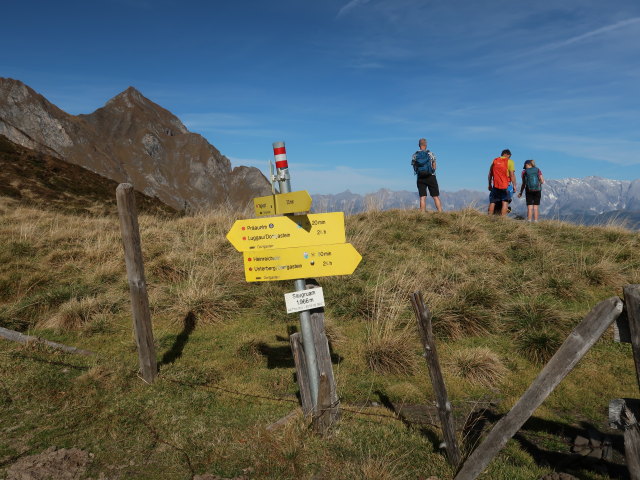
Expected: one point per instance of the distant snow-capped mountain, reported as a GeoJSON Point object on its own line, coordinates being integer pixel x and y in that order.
{"type": "Point", "coordinates": [585, 200]}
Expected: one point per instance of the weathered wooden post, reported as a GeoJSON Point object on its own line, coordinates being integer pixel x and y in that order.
{"type": "Point", "coordinates": [622, 417]}
{"type": "Point", "coordinates": [330, 407]}
{"type": "Point", "coordinates": [580, 340]}
{"type": "Point", "coordinates": [632, 309]}
{"type": "Point", "coordinates": [26, 339]}
{"type": "Point", "coordinates": [137, 285]}
{"type": "Point", "coordinates": [423, 316]}
{"type": "Point", "coordinates": [322, 419]}
{"type": "Point", "coordinates": [301, 373]}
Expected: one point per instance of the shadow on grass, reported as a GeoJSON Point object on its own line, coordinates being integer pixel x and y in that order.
{"type": "Point", "coordinates": [51, 362]}
{"type": "Point", "coordinates": [538, 434]}
{"type": "Point", "coordinates": [402, 412]}
{"type": "Point", "coordinates": [277, 356]}
{"type": "Point", "coordinates": [175, 352]}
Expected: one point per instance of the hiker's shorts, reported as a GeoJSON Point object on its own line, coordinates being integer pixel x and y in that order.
{"type": "Point", "coordinates": [533, 198]}
{"type": "Point", "coordinates": [430, 182]}
{"type": "Point", "coordinates": [499, 195]}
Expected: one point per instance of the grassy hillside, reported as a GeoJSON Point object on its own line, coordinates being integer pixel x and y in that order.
{"type": "Point", "coordinates": [48, 182]}
{"type": "Point", "coordinates": [504, 295]}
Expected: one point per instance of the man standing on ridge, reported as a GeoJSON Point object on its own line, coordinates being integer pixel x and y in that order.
{"type": "Point", "coordinates": [501, 173]}
{"type": "Point", "coordinates": [424, 166]}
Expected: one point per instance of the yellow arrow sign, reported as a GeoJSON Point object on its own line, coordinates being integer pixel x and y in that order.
{"type": "Point", "coordinates": [282, 203]}
{"type": "Point", "coordinates": [283, 232]}
{"type": "Point", "coordinates": [300, 262]}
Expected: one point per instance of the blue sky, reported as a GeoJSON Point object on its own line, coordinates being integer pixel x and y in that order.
{"type": "Point", "coordinates": [350, 86]}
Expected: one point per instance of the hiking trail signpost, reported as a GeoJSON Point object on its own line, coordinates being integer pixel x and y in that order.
{"type": "Point", "coordinates": [282, 203]}
{"type": "Point", "coordinates": [295, 247]}
{"type": "Point", "coordinates": [288, 231]}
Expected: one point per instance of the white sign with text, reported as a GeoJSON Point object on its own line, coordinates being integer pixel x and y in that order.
{"type": "Point", "coordinates": [304, 300]}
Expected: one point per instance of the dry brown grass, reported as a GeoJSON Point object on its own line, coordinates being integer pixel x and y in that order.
{"type": "Point", "coordinates": [390, 338]}
{"type": "Point", "coordinates": [477, 365]}
{"type": "Point", "coordinates": [76, 313]}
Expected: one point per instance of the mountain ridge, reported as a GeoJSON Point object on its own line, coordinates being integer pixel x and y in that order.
{"type": "Point", "coordinates": [130, 139]}
{"type": "Point", "coordinates": [591, 200]}
{"type": "Point", "coordinates": [37, 179]}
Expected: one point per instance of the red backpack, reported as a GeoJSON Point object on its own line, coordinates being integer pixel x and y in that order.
{"type": "Point", "coordinates": [499, 172]}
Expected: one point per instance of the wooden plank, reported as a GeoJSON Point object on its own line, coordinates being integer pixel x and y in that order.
{"type": "Point", "coordinates": [632, 308]}
{"type": "Point", "coordinates": [423, 316]}
{"type": "Point", "coordinates": [301, 372]}
{"type": "Point", "coordinates": [137, 285]}
{"type": "Point", "coordinates": [25, 339]}
{"type": "Point", "coordinates": [622, 417]}
{"type": "Point", "coordinates": [322, 420]}
{"type": "Point", "coordinates": [580, 340]}
{"type": "Point", "coordinates": [323, 357]}
{"type": "Point", "coordinates": [621, 332]}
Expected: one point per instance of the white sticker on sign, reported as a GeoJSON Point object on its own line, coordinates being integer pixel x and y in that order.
{"type": "Point", "coordinates": [304, 300]}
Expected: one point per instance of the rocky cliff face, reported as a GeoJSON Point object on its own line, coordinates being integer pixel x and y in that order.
{"type": "Point", "coordinates": [130, 139]}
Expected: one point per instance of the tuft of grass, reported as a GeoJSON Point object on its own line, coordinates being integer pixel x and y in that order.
{"type": "Point", "coordinates": [391, 339]}
{"type": "Point", "coordinates": [77, 313]}
{"type": "Point", "coordinates": [538, 345]}
{"type": "Point", "coordinates": [534, 312]}
{"type": "Point", "coordinates": [335, 336]}
{"type": "Point", "coordinates": [478, 365]}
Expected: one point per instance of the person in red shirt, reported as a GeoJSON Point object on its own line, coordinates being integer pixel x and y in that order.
{"type": "Point", "coordinates": [501, 173]}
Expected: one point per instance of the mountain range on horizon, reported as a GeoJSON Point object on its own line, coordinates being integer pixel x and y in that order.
{"type": "Point", "coordinates": [589, 200]}
{"type": "Point", "coordinates": [130, 139]}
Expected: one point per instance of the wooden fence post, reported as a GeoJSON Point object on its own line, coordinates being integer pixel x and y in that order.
{"type": "Point", "coordinates": [323, 419]}
{"type": "Point", "coordinates": [301, 372]}
{"type": "Point", "coordinates": [622, 417]}
{"type": "Point", "coordinates": [323, 357]}
{"type": "Point", "coordinates": [423, 316]}
{"type": "Point", "coordinates": [632, 309]}
{"type": "Point", "coordinates": [137, 285]}
{"type": "Point", "coordinates": [580, 340]}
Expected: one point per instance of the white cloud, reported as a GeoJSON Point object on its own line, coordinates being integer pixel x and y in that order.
{"type": "Point", "coordinates": [612, 150]}
{"type": "Point", "coordinates": [350, 6]}
{"type": "Point", "coordinates": [593, 33]}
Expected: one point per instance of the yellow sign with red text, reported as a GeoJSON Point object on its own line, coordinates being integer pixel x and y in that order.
{"type": "Point", "coordinates": [289, 231]}
{"type": "Point", "coordinates": [300, 262]}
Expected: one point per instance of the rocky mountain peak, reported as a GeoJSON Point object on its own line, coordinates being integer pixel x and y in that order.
{"type": "Point", "coordinates": [130, 139]}
{"type": "Point", "coordinates": [130, 98]}
{"type": "Point", "coordinates": [138, 110]}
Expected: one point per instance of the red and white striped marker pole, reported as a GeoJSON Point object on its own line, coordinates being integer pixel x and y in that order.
{"type": "Point", "coordinates": [282, 167]}
{"type": "Point", "coordinates": [283, 178]}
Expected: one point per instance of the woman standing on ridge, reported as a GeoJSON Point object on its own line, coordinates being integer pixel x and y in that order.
{"type": "Point", "coordinates": [532, 181]}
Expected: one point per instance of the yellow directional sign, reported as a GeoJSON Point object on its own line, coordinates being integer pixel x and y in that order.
{"type": "Point", "coordinates": [282, 203]}
{"type": "Point", "coordinates": [300, 262]}
{"type": "Point", "coordinates": [283, 232]}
